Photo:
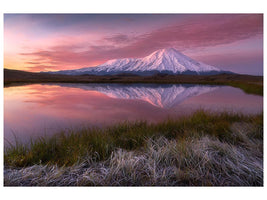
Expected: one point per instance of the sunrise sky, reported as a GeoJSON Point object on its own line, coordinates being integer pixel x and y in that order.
{"type": "Point", "coordinates": [50, 42]}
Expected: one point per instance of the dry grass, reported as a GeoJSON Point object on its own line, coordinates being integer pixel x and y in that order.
{"type": "Point", "coordinates": [191, 160]}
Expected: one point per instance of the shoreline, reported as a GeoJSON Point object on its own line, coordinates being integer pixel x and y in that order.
{"type": "Point", "coordinates": [249, 84]}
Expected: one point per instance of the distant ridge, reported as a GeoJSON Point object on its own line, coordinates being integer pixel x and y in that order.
{"type": "Point", "coordinates": [164, 61]}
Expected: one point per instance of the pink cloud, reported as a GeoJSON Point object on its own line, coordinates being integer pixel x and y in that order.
{"type": "Point", "coordinates": [203, 31]}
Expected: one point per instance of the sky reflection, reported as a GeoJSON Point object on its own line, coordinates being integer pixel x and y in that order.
{"type": "Point", "coordinates": [34, 110]}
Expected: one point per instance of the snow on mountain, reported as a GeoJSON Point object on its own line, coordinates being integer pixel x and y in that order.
{"type": "Point", "coordinates": [162, 61]}
{"type": "Point", "coordinates": [163, 96]}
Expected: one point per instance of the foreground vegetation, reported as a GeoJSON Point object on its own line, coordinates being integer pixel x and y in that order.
{"type": "Point", "coordinates": [202, 149]}
{"type": "Point", "coordinates": [250, 84]}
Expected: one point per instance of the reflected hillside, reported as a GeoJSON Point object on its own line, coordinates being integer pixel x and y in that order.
{"type": "Point", "coordinates": [158, 95]}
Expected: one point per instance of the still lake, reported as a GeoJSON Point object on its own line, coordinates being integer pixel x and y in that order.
{"type": "Point", "coordinates": [35, 110]}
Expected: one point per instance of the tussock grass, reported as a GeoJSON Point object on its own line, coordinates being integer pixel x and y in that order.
{"type": "Point", "coordinates": [202, 149]}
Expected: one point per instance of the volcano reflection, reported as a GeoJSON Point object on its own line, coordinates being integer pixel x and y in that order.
{"type": "Point", "coordinates": [162, 96]}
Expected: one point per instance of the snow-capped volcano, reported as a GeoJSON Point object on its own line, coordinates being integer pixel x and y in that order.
{"type": "Point", "coordinates": [167, 60]}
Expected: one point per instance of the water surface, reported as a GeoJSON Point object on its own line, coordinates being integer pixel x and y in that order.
{"type": "Point", "coordinates": [42, 109]}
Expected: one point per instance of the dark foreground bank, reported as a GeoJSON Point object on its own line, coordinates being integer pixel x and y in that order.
{"type": "Point", "coordinates": [200, 150]}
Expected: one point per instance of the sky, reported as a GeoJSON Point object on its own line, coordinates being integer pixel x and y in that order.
{"type": "Point", "coordinates": [51, 42]}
